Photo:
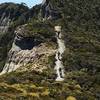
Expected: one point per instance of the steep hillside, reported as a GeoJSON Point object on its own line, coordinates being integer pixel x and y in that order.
{"type": "Point", "coordinates": [11, 15]}
{"type": "Point", "coordinates": [31, 58]}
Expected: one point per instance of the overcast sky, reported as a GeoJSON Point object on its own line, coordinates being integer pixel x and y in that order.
{"type": "Point", "coordinates": [30, 3]}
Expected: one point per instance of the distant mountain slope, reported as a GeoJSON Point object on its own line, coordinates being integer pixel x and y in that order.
{"type": "Point", "coordinates": [34, 45]}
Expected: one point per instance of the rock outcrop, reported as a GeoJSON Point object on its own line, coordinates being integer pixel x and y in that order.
{"type": "Point", "coordinates": [28, 53]}
{"type": "Point", "coordinates": [11, 16]}
{"type": "Point", "coordinates": [9, 12]}
{"type": "Point", "coordinates": [49, 11]}
{"type": "Point", "coordinates": [35, 59]}
{"type": "Point", "coordinates": [4, 23]}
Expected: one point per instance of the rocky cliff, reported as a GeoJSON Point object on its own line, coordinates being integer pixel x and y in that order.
{"type": "Point", "coordinates": [10, 18]}
{"type": "Point", "coordinates": [49, 11]}
{"type": "Point", "coordinates": [27, 50]}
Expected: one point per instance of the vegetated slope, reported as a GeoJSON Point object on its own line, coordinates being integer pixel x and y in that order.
{"type": "Point", "coordinates": [11, 15]}
{"type": "Point", "coordinates": [80, 21]}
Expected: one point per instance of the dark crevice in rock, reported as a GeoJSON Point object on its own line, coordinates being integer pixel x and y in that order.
{"type": "Point", "coordinates": [26, 42]}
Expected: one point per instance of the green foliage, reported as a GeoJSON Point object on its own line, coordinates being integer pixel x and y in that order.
{"type": "Point", "coordinates": [42, 29]}
{"type": "Point", "coordinates": [39, 85]}
{"type": "Point", "coordinates": [81, 26]}
{"type": "Point", "coordinates": [12, 10]}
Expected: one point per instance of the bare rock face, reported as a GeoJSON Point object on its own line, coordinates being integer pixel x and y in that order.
{"type": "Point", "coordinates": [28, 54]}
{"type": "Point", "coordinates": [49, 11]}
{"type": "Point", "coordinates": [4, 23]}
{"type": "Point", "coordinates": [9, 12]}
{"type": "Point", "coordinates": [34, 59]}
{"type": "Point", "coordinates": [25, 39]}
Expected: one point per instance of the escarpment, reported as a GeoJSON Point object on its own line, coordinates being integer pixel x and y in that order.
{"type": "Point", "coordinates": [50, 11]}
{"type": "Point", "coordinates": [27, 50]}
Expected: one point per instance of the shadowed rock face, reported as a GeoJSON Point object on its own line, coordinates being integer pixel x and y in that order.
{"type": "Point", "coordinates": [9, 12]}
{"type": "Point", "coordinates": [49, 11]}
{"type": "Point", "coordinates": [4, 23]}
{"type": "Point", "coordinates": [25, 42]}
{"type": "Point", "coordinates": [27, 50]}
